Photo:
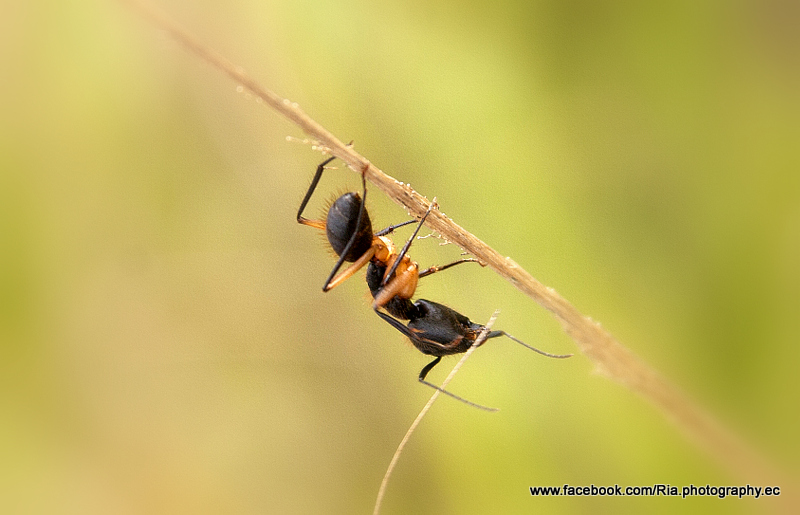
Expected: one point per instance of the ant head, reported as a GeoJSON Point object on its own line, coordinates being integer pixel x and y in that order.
{"type": "Point", "coordinates": [341, 224]}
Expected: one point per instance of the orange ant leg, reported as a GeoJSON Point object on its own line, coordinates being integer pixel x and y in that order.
{"type": "Point", "coordinates": [348, 272]}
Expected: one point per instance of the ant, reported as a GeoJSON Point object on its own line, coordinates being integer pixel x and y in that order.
{"type": "Point", "coordinates": [433, 328]}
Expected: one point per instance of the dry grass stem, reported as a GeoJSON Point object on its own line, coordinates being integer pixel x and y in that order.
{"type": "Point", "coordinates": [610, 358]}
{"type": "Point", "coordinates": [477, 343]}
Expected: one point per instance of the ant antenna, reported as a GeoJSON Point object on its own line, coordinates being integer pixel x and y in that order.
{"type": "Point", "coordinates": [495, 334]}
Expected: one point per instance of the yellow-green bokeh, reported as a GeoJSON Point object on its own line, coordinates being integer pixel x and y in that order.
{"type": "Point", "coordinates": [166, 347]}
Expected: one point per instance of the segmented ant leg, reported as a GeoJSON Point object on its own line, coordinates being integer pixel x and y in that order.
{"type": "Point", "coordinates": [434, 269]}
{"type": "Point", "coordinates": [384, 232]}
{"type": "Point", "coordinates": [314, 182]}
{"type": "Point", "coordinates": [411, 335]}
{"type": "Point", "coordinates": [422, 380]}
{"type": "Point", "coordinates": [349, 271]}
{"type": "Point", "coordinates": [407, 245]}
{"type": "Point", "coordinates": [395, 323]}
{"type": "Point", "coordinates": [495, 334]}
{"type": "Point", "coordinates": [352, 239]}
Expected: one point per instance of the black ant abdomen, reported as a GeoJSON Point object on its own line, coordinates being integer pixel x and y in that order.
{"type": "Point", "coordinates": [341, 224]}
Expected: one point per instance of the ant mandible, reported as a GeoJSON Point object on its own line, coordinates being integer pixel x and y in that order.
{"type": "Point", "coordinates": [433, 328]}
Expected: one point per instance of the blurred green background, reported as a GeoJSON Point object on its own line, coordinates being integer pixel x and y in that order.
{"type": "Point", "coordinates": [166, 347]}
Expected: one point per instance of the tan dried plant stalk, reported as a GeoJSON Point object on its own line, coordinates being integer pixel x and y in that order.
{"type": "Point", "coordinates": [610, 358]}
